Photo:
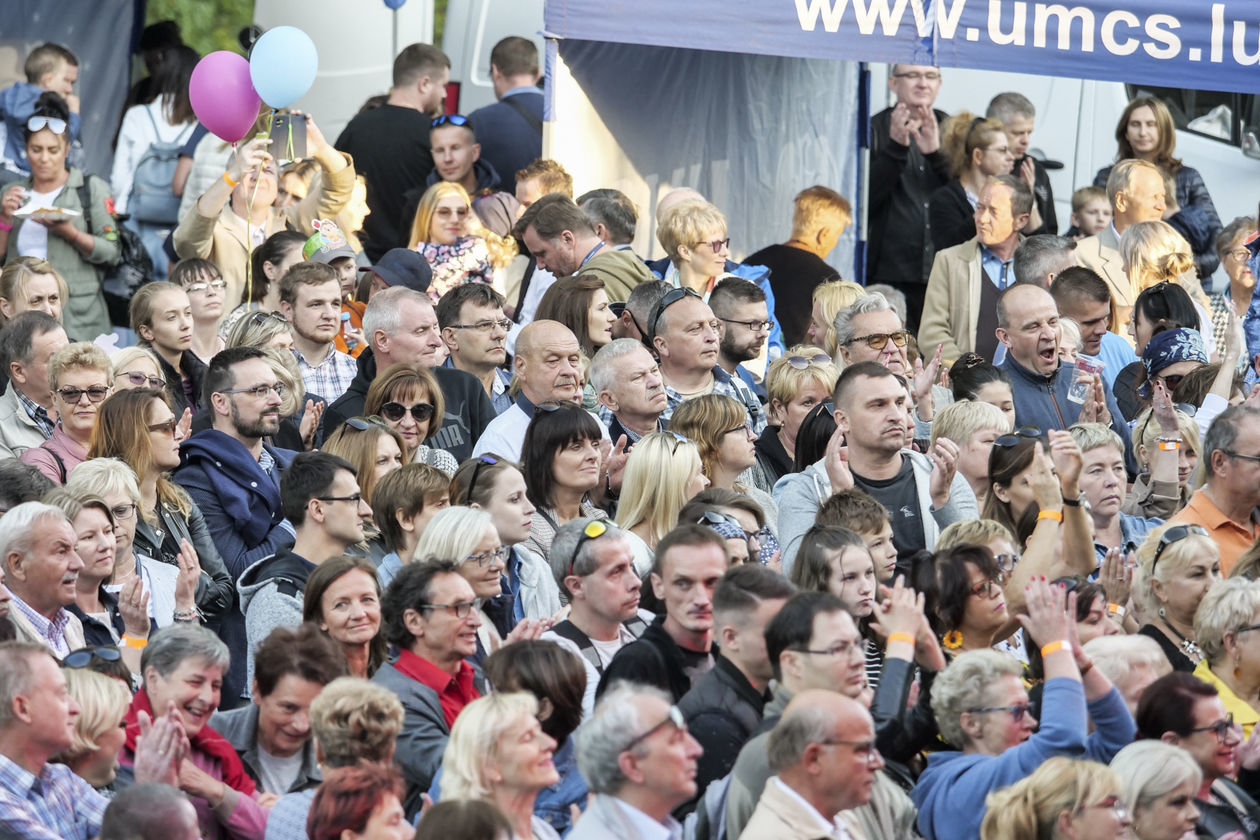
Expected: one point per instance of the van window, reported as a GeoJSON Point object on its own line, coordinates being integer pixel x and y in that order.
{"type": "Point", "coordinates": [1213, 114]}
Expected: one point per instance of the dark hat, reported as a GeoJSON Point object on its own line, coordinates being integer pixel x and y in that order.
{"type": "Point", "coordinates": [160, 36]}
{"type": "Point", "coordinates": [1172, 346]}
{"type": "Point", "coordinates": [403, 267]}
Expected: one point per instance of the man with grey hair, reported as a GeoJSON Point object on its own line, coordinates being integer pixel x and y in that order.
{"type": "Point", "coordinates": [825, 761]}
{"type": "Point", "coordinates": [27, 342]}
{"type": "Point", "coordinates": [598, 578]}
{"type": "Point", "coordinates": [958, 311]}
{"type": "Point", "coordinates": [401, 326]}
{"type": "Point", "coordinates": [640, 762]}
{"type": "Point", "coordinates": [612, 214]}
{"type": "Point", "coordinates": [41, 569]}
{"type": "Point", "coordinates": [632, 316]}
{"type": "Point", "coordinates": [631, 392]}
{"type": "Point", "coordinates": [1016, 112]}
{"type": "Point", "coordinates": [150, 812]}
{"type": "Point", "coordinates": [1226, 505]}
{"type": "Point", "coordinates": [1135, 189]}
{"type": "Point", "coordinates": [43, 801]}
{"type": "Point", "coordinates": [869, 330]}
{"type": "Point", "coordinates": [1041, 258]}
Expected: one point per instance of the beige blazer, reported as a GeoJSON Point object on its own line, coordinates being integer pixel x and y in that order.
{"type": "Point", "coordinates": [1101, 252]}
{"type": "Point", "coordinates": [951, 305]}
{"type": "Point", "coordinates": [26, 631]}
{"type": "Point", "coordinates": [781, 817]}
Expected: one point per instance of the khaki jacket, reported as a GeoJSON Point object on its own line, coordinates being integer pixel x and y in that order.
{"type": "Point", "coordinates": [1101, 252]}
{"type": "Point", "coordinates": [951, 305]}
{"type": "Point", "coordinates": [780, 816]}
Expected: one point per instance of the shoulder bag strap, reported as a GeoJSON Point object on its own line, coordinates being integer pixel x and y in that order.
{"type": "Point", "coordinates": [519, 107]}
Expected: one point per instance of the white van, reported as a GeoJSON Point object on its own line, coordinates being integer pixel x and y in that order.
{"type": "Point", "coordinates": [472, 29]}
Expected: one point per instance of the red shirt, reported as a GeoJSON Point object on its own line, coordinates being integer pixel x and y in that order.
{"type": "Point", "coordinates": [454, 692]}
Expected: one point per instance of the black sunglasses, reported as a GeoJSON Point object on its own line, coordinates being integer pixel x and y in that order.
{"type": "Point", "coordinates": [1177, 533]}
{"type": "Point", "coordinates": [1022, 433]}
{"type": "Point", "coordinates": [670, 298]}
{"type": "Point", "coordinates": [82, 658]}
{"type": "Point", "coordinates": [481, 462]}
{"type": "Point", "coordinates": [394, 411]}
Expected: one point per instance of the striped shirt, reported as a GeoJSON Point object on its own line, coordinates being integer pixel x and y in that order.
{"type": "Point", "coordinates": [36, 411]}
{"type": "Point", "coordinates": [55, 805]}
{"type": "Point", "coordinates": [52, 633]}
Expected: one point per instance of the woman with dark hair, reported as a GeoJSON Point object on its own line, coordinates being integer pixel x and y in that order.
{"type": "Point", "coordinates": [270, 260]}
{"type": "Point", "coordinates": [1164, 306]}
{"type": "Point", "coordinates": [54, 225]}
{"type": "Point", "coordinates": [965, 598]}
{"type": "Point", "coordinates": [562, 467]}
{"type": "Point", "coordinates": [581, 304]}
{"type": "Point", "coordinates": [1020, 474]}
{"type": "Point", "coordinates": [1186, 712]}
{"type": "Point", "coordinates": [1146, 131]}
{"type": "Point", "coordinates": [343, 598]}
{"type": "Point", "coordinates": [359, 801]}
{"type": "Point", "coordinates": [813, 435]}
{"type": "Point", "coordinates": [165, 122]}
{"type": "Point", "coordinates": [407, 398]}
{"type": "Point", "coordinates": [973, 378]}
{"type": "Point", "coordinates": [977, 149]}
{"type": "Point", "coordinates": [467, 819]}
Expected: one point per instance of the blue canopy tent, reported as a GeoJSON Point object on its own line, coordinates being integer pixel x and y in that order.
{"type": "Point", "coordinates": [751, 100]}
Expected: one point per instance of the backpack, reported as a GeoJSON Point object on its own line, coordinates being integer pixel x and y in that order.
{"type": "Point", "coordinates": [151, 200]}
{"type": "Point", "coordinates": [134, 268]}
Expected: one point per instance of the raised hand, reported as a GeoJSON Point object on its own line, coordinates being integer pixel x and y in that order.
{"type": "Point", "coordinates": [1116, 577]}
{"type": "Point", "coordinates": [836, 462]}
{"type": "Point", "coordinates": [188, 577]}
{"type": "Point", "coordinates": [133, 605]}
{"type": "Point", "coordinates": [1067, 459]}
{"type": "Point", "coordinates": [944, 457]}
{"type": "Point", "coordinates": [1047, 619]}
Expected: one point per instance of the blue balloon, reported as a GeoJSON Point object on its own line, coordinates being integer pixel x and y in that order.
{"type": "Point", "coordinates": [282, 65]}
{"type": "Point", "coordinates": [395, 4]}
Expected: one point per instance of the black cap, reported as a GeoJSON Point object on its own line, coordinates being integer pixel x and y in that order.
{"type": "Point", "coordinates": [403, 267]}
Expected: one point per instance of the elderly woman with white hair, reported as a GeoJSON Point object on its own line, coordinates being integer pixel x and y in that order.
{"type": "Point", "coordinates": [981, 708]}
{"type": "Point", "coordinates": [498, 752]}
{"type": "Point", "coordinates": [1160, 783]}
{"type": "Point", "coordinates": [1227, 629]}
{"type": "Point", "coordinates": [1131, 662]}
{"type": "Point", "coordinates": [1177, 565]}
{"type": "Point", "coordinates": [468, 537]}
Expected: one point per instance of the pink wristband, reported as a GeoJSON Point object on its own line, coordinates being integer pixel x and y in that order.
{"type": "Point", "coordinates": [4, 226]}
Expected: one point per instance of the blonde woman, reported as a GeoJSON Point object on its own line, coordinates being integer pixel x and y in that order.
{"type": "Point", "coordinates": [1160, 783]}
{"type": "Point", "coordinates": [372, 447]}
{"type": "Point", "coordinates": [828, 300]}
{"type": "Point", "coordinates": [1153, 253]}
{"type": "Point", "coordinates": [440, 232]}
{"type": "Point", "coordinates": [977, 149]}
{"type": "Point", "coordinates": [1177, 565]}
{"type": "Point", "coordinates": [99, 730]}
{"type": "Point", "coordinates": [499, 753]}
{"type": "Point", "coordinates": [693, 234]}
{"type": "Point", "coordinates": [136, 367]}
{"type": "Point", "coordinates": [796, 383]}
{"type": "Point", "coordinates": [79, 374]}
{"type": "Point", "coordinates": [1063, 799]}
{"type": "Point", "coordinates": [662, 473]}
{"type": "Point", "coordinates": [719, 427]}
{"type": "Point", "coordinates": [31, 283]}
{"type": "Point", "coordinates": [1225, 628]}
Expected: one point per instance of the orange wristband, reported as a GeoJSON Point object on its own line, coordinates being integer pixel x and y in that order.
{"type": "Point", "coordinates": [1057, 516]}
{"type": "Point", "coordinates": [133, 642]}
{"type": "Point", "coordinates": [900, 637]}
{"type": "Point", "coordinates": [227, 179]}
{"type": "Point", "coordinates": [1055, 647]}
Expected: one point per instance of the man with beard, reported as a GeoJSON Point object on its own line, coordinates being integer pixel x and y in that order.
{"type": "Point", "coordinates": [677, 648]}
{"type": "Point", "coordinates": [631, 393]}
{"type": "Point", "coordinates": [234, 478]}
{"type": "Point", "coordinates": [310, 297]}
{"type": "Point", "coordinates": [475, 329]}
{"type": "Point", "coordinates": [744, 318]}
{"type": "Point", "coordinates": [548, 368]}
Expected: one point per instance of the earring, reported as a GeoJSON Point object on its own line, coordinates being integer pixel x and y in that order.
{"type": "Point", "coordinates": [1161, 612]}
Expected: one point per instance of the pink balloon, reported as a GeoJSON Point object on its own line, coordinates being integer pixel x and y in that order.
{"type": "Point", "coordinates": [223, 97]}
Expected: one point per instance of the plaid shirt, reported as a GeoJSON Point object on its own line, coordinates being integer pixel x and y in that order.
{"type": "Point", "coordinates": [53, 633]}
{"type": "Point", "coordinates": [36, 412]}
{"type": "Point", "coordinates": [330, 378]}
{"type": "Point", "coordinates": [55, 805]}
{"type": "Point", "coordinates": [728, 386]}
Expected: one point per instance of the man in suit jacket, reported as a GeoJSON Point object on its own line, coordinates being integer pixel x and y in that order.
{"type": "Point", "coordinates": [510, 130]}
{"type": "Point", "coordinates": [967, 276]}
{"type": "Point", "coordinates": [639, 761]}
{"type": "Point", "coordinates": [1135, 189]}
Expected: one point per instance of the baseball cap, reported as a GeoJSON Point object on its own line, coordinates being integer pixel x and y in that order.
{"type": "Point", "coordinates": [403, 267]}
{"type": "Point", "coordinates": [327, 244]}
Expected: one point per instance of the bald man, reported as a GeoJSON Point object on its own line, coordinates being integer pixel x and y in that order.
{"type": "Point", "coordinates": [548, 366]}
{"type": "Point", "coordinates": [823, 753]}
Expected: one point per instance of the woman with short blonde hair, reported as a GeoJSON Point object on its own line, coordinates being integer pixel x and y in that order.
{"type": "Point", "coordinates": [828, 300]}
{"type": "Point", "coordinates": [99, 733]}
{"type": "Point", "coordinates": [135, 367]}
{"type": "Point", "coordinates": [693, 234]}
{"type": "Point", "coordinates": [1160, 782]}
{"type": "Point", "coordinates": [79, 374]}
{"type": "Point", "coordinates": [1063, 798]}
{"type": "Point", "coordinates": [796, 382]}
{"type": "Point", "coordinates": [1227, 630]}
{"type": "Point", "coordinates": [1176, 566]}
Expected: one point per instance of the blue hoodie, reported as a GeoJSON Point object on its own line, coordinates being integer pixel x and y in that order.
{"type": "Point", "coordinates": [16, 104]}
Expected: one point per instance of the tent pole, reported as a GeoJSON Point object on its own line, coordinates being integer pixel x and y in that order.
{"type": "Point", "coordinates": [863, 174]}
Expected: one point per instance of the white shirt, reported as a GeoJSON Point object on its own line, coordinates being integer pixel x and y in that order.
{"type": "Point", "coordinates": [32, 236]}
{"type": "Point", "coordinates": [505, 435]}
{"type": "Point", "coordinates": [648, 828]}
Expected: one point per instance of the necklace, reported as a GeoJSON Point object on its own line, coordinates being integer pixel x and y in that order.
{"type": "Point", "coordinates": [1188, 646]}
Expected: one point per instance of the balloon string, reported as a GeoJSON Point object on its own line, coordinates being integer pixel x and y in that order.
{"type": "Point", "coordinates": [249, 211]}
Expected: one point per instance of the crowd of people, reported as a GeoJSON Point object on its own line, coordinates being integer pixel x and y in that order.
{"type": "Point", "coordinates": [414, 503]}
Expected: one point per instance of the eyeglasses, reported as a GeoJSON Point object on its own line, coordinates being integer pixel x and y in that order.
{"type": "Point", "coordinates": [1115, 804]}
{"type": "Point", "coordinates": [747, 429]}
{"type": "Point", "coordinates": [490, 558]}
{"type": "Point", "coordinates": [669, 299]}
{"type": "Point", "coordinates": [866, 749]}
{"type": "Point", "coordinates": [71, 396]}
{"type": "Point", "coordinates": [1172, 380]}
{"type": "Point", "coordinates": [802, 362]}
{"type": "Point", "coordinates": [755, 326]}
{"type": "Point", "coordinates": [260, 391]}
{"type": "Point", "coordinates": [54, 124]}
{"type": "Point", "coordinates": [353, 497]}
{"type": "Point", "coordinates": [594, 529]}
{"type": "Point", "coordinates": [394, 411]}
{"type": "Point", "coordinates": [984, 588]}
{"type": "Point", "coordinates": [203, 285]}
{"type": "Point", "coordinates": [675, 718]}
{"type": "Point", "coordinates": [877, 341]}
{"type": "Point", "coordinates": [461, 609]}
{"type": "Point", "coordinates": [1017, 710]}
{"type": "Point", "coordinates": [716, 244]}
{"type": "Point", "coordinates": [918, 76]}
{"type": "Point", "coordinates": [1006, 562]}
{"type": "Point", "coordinates": [485, 326]}
{"type": "Point", "coordinates": [1241, 456]}
{"type": "Point", "coordinates": [1222, 728]}
{"type": "Point", "coordinates": [449, 119]}
{"type": "Point", "coordinates": [1240, 254]}
{"type": "Point", "coordinates": [140, 380]}
{"type": "Point", "coordinates": [1001, 150]}
{"type": "Point", "coordinates": [481, 462]}
{"type": "Point", "coordinates": [838, 649]}
{"type": "Point", "coordinates": [760, 535]}
{"type": "Point", "coordinates": [123, 511]}
{"type": "Point", "coordinates": [260, 318]}
{"type": "Point", "coordinates": [362, 424]}
{"type": "Point", "coordinates": [82, 658]}
{"type": "Point", "coordinates": [1022, 433]}
{"type": "Point", "coordinates": [166, 426]}
{"type": "Point", "coordinates": [1176, 534]}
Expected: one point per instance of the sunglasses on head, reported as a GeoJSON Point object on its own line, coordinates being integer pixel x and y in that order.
{"type": "Point", "coordinates": [679, 439]}
{"type": "Point", "coordinates": [362, 424]}
{"type": "Point", "coordinates": [82, 658]}
{"type": "Point", "coordinates": [594, 529]}
{"type": "Point", "coordinates": [54, 124]}
{"type": "Point", "coordinates": [802, 362]}
{"type": "Point", "coordinates": [394, 411]}
{"type": "Point", "coordinates": [1022, 433]}
{"type": "Point", "coordinates": [481, 462]}
{"type": "Point", "coordinates": [260, 318]}
{"type": "Point", "coordinates": [1177, 533]}
{"type": "Point", "coordinates": [449, 119]}
{"type": "Point", "coordinates": [671, 297]}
